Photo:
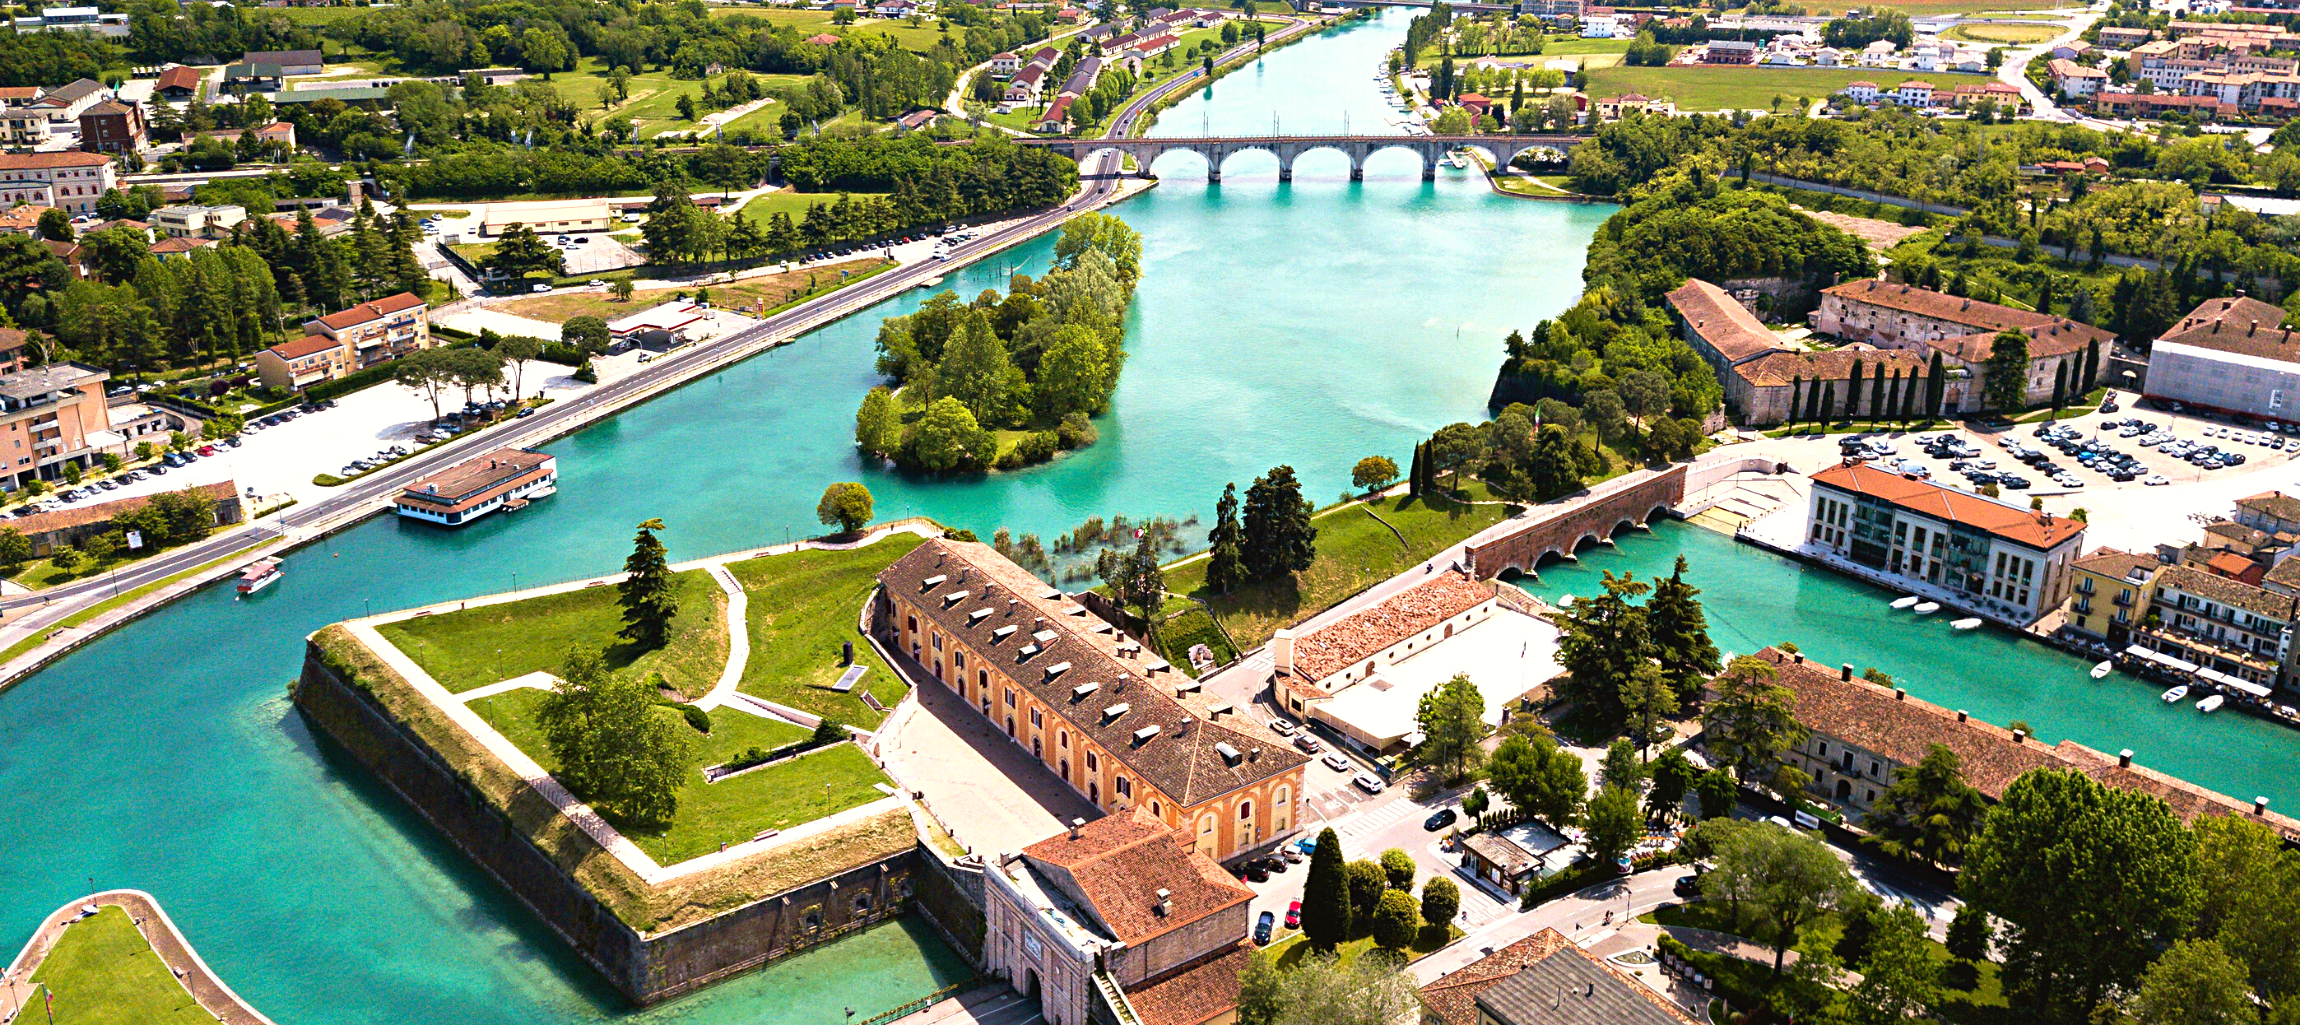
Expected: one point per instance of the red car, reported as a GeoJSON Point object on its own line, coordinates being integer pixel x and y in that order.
{"type": "Point", "coordinates": [207, 450]}
{"type": "Point", "coordinates": [1294, 915]}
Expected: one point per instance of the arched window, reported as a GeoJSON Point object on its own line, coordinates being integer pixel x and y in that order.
{"type": "Point", "coordinates": [912, 626]}
{"type": "Point", "coordinates": [1157, 810]}
{"type": "Point", "coordinates": [1245, 810]}
{"type": "Point", "coordinates": [1206, 825]}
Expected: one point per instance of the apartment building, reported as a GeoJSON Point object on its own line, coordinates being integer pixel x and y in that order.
{"type": "Point", "coordinates": [1118, 725]}
{"type": "Point", "coordinates": [2073, 79]}
{"type": "Point", "coordinates": [113, 127]}
{"type": "Point", "coordinates": [66, 180]}
{"type": "Point", "coordinates": [2200, 612]}
{"type": "Point", "coordinates": [194, 221]}
{"type": "Point", "coordinates": [380, 329]}
{"type": "Point", "coordinates": [2007, 563]}
{"type": "Point", "coordinates": [51, 416]}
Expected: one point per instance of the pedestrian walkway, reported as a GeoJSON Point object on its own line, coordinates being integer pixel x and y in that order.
{"type": "Point", "coordinates": [738, 639]}
{"type": "Point", "coordinates": [1374, 819]}
{"type": "Point", "coordinates": [167, 943]}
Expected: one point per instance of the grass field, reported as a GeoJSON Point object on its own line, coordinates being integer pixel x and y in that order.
{"type": "Point", "coordinates": [1354, 551]}
{"type": "Point", "coordinates": [317, 15]}
{"type": "Point", "coordinates": [916, 38]}
{"type": "Point", "coordinates": [1708, 89]}
{"type": "Point", "coordinates": [774, 290]}
{"type": "Point", "coordinates": [730, 811]}
{"type": "Point", "coordinates": [760, 208]}
{"type": "Point", "coordinates": [1923, 8]}
{"type": "Point", "coordinates": [103, 973]}
{"type": "Point", "coordinates": [2007, 34]}
{"type": "Point", "coordinates": [476, 647]}
{"type": "Point", "coordinates": [803, 609]}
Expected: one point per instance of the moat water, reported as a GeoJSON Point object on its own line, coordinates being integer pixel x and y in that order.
{"type": "Point", "coordinates": [1310, 324]}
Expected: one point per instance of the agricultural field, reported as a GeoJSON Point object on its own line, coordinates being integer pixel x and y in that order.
{"type": "Point", "coordinates": [1710, 89]}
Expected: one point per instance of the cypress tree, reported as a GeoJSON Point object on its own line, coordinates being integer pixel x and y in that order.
{"type": "Point", "coordinates": [1893, 399]}
{"type": "Point", "coordinates": [1909, 401]}
{"type": "Point", "coordinates": [1326, 895]}
{"type": "Point", "coordinates": [1224, 563]}
{"type": "Point", "coordinates": [1813, 401]}
{"type": "Point", "coordinates": [1936, 387]}
{"type": "Point", "coordinates": [1796, 389]}
{"type": "Point", "coordinates": [2091, 366]}
{"type": "Point", "coordinates": [1414, 476]}
{"type": "Point", "coordinates": [2059, 386]}
{"type": "Point", "coordinates": [1828, 404]}
{"type": "Point", "coordinates": [1878, 410]}
{"type": "Point", "coordinates": [1853, 391]}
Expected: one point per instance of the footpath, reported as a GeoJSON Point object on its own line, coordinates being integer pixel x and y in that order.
{"type": "Point", "coordinates": [157, 929]}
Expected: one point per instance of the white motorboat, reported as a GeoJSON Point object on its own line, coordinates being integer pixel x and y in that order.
{"type": "Point", "coordinates": [263, 574]}
{"type": "Point", "coordinates": [2211, 704]}
{"type": "Point", "coordinates": [1902, 603]}
{"type": "Point", "coordinates": [2176, 695]}
{"type": "Point", "coordinates": [1927, 608]}
{"type": "Point", "coordinates": [1967, 623]}
{"type": "Point", "coordinates": [2103, 669]}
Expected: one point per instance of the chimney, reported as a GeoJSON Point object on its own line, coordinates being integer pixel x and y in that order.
{"type": "Point", "coordinates": [1800, 656]}
{"type": "Point", "coordinates": [1165, 901]}
{"type": "Point", "coordinates": [2124, 759]}
{"type": "Point", "coordinates": [2259, 806]}
{"type": "Point", "coordinates": [1010, 604]}
{"type": "Point", "coordinates": [1961, 715]}
{"type": "Point", "coordinates": [1254, 754]}
{"type": "Point", "coordinates": [1075, 826]}
{"type": "Point", "coordinates": [1900, 694]}
{"type": "Point", "coordinates": [2020, 736]}
{"type": "Point", "coordinates": [1845, 673]}
{"type": "Point", "coordinates": [1037, 623]}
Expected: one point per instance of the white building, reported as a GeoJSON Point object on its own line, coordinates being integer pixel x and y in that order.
{"type": "Point", "coordinates": [74, 19]}
{"type": "Point", "coordinates": [69, 180]}
{"type": "Point", "coordinates": [2006, 563]}
{"type": "Point", "coordinates": [2230, 356]}
{"type": "Point", "coordinates": [467, 491]}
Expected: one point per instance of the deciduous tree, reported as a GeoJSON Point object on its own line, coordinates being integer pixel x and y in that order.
{"type": "Point", "coordinates": [1781, 879]}
{"type": "Point", "coordinates": [1613, 823]}
{"type": "Point", "coordinates": [847, 504]}
{"type": "Point", "coordinates": [1539, 778]}
{"type": "Point", "coordinates": [1929, 812]}
{"type": "Point", "coordinates": [1396, 920]}
{"type": "Point", "coordinates": [1374, 473]}
{"type": "Point", "coordinates": [1452, 723]}
{"type": "Point", "coordinates": [611, 746]}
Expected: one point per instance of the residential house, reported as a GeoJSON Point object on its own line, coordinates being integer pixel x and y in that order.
{"type": "Point", "coordinates": [1861, 92]}
{"type": "Point", "coordinates": [178, 83]}
{"type": "Point", "coordinates": [64, 105]}
{"type": "Point", "coordinates": [2073, 79]}
{"type": "Point", "coordinates": [2272, 512]}
{"type": "Point", "coordinates": [1004, 65]}
{"type": "Point", "coordinates": [1117, 920]}
{"type": "Point", "coordinates": [196, 221]}
{"type": "Point", "coordinates": [74, 255]}
{"type": "Point", "coordinates": [113, 127]}
{"type": "Point", "coordinates": [179, 247]}
{"type": "Point", "coordinates": [304, 362]}
{"type": "Point", "coordinates": [2003, 562]}
{"type": "Point", "coordinates": [67, 180]}
{"type": "Point", "coordinates": [2005, 96]}
{"type": "Point", "coordinates": [1546, 979]}
{"type": "Point", "coordinates": [1057, 116]}
{"type": "Point", "coordinates": [1859, 734]}
{"type": "Point", "coordinates": [22, 219]}
{"type": "Point", "coordinates": [1913, 93]}
{"type": "Point", "coordinates": [2229, 355]}
{"type": "Point", "coordinates": [1114, 722]}
{"type": "Point", "coordinates": [380, 330]}
{"type": "Point", "coordinates": [1729, 51]}
{"type": "Point", "coordinates": [282, 132]}
{"type": "Point", "coordinates": [2123, 38]}
{"type": "Point", "coordinates": [2063, 354]}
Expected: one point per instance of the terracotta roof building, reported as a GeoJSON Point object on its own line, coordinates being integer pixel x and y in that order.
{"type": "Point", "coordinates": [2062, 353]}
{"type": "Point", "coordinates": [1775, 387]}
{"type": "Point", "coordinates": [1860, 733]}
{"type": "Point", "coordinates": [1718, 327]}
{"type": "Point", "coordinates": [68, 179]}
{"type": "Point", "coordinates": [1116, 723]}
{"type": "Point", "coordinates": [2005, 563]}
{"type": "Point", "coordinates": [1120, 911]}
{"type": "Point", "coordinates": [49, 531]}
{"type": "Point", "coordinates": [2231, 355]}
{"type": "Point", "coordinates": [50, 416]}
{"type": "Point", "coordinates": [1544, 979]}
{"type": "Point", "coordinates": [178, 82]}
{"type": "Point", "coordinates": [1334, 672]}
{"type": "Point", "coordinates": [2272, 512]}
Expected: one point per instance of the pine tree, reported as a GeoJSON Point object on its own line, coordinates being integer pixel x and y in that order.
{"type": "Point", "coordinates": [1278, 539]}
{"type": "Point", "coordinates": [1224, 569]}
{"type": "Point", "coordinates": [1326, 895]}
{"type": "Point", "coordinates": [645, 594]}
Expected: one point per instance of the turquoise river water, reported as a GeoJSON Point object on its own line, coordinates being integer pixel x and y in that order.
{"type": "Point", "coordinates": [1312, 324]}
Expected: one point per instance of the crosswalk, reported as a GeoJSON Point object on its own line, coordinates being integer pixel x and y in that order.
{"type": "Point", "coordinates": [1375, 819]}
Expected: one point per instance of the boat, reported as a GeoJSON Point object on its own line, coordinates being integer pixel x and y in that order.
{"type": "Point", "coordinates": [1967, 623]}
{"type": "Point", "coordinates": [2176, 695]}
{"type": "Point", "coordinates": [2211, 704]}
{"type": "Point", "coordinates": [263, 574]}
{"type": "Point", "coordinates": [2103, 669]}
{"type": "Point", "coordinates": [1902, 603]}
{"type": "Point", "coordinates": [931, 283]}
{"type": "Point", "coordinates": [1927, 608]}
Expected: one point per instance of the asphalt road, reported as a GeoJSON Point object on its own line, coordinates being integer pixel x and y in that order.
{"type": "Point", "coordinates": [1099, 178]}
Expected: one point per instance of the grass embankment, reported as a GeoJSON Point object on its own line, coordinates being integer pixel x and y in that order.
{"type": "Point", "coordinates": [103, 973]}
{"type": "Point", "coordinates": [730, 811]}
{"type": "Point", "coordinates": [472, 648]}
{"type": "Point", "coordinates": [1970, 992]}
{"type": "Point", "coordinates": [649, 909]}
{"type": "Point", "coordinates": [1722, 88]}
{"type": "Point", "coordinates": [746, 295]}
{"type": "Point", "coordinates": [919, 38]}
{"type": "Point", "coordinates": [1355, 551]}
{"type": "Point", "coordinates": [2003, 271]}
{"type": "Point", "coordinates": [803, 610]}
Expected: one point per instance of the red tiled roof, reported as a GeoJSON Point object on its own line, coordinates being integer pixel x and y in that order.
{"type": "Point", "coordinates": [1718, 318]}
{"type": "Point", "coordinates": [48, 161]}
{"type": "Point", "coordinates": [1120, 862]}
{"type": "Point", "coordinates": [2037, 530]}
{"type": "Point", "coordinates": [179, 77]}
{"type": "Point", "coordinates": [368, 311]}
{"type": "Point", "coordinates": [2059, 334]}
{"type": "Point", "coordinates": [104, 512]}
{"type": "Point", "coordinates": [180, 245]}
{"type": "Point", "coordinates": [304, 346]}
{"type": "Point", "coordinates": [1452, 999]}
{"type": "Point", "coordinates": [1195, 993]}
{"type": "Point", "coordinates": [1368, 632]}
{"type": "Point", "coordinates": [2241, 325]}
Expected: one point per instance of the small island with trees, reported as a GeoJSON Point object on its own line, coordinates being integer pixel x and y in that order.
{"type": "Point", "coordinates": [1007, 381]}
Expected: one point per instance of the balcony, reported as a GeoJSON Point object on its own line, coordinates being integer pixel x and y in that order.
{"type": "Point", "coordinates": [2124, 598]}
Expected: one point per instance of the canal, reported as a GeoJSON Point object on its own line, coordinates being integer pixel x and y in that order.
{"type": "Point", "coordinates": [1754, 597]}
{"type": "Point", "coordinates": [1311, 324]}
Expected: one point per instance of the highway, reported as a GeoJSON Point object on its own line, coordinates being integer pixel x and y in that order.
{"type": "Point", "coordinates": [1099, 185]}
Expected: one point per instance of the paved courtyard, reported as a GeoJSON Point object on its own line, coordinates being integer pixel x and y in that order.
{"type": "Point", "coordinates": [987, 790]}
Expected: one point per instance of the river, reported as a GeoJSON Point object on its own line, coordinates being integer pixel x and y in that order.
{"type": "Point", "coordinates": [1312, 324]}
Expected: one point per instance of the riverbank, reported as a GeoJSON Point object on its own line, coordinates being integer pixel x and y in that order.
{"type": "Point", "coordinates": [87, 956]}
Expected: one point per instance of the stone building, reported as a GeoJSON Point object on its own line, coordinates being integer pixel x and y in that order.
{"type": "Point", "coordinates": [1963, 332]}
{"type": "Point", "coordinates": [1120, 919]}
{"type": "Point", "coordinates": [1115, 723]}
{"type": "Point", "coordinates": [1768, 382]}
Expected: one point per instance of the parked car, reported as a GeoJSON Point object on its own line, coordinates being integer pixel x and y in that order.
{"type": "Point", "coordinates": [540, 288]}
{"type": "Point", "coordinates": [1255, 873]}
{"type": "Point", "coordinates": [1294, 915]}
{"type": "Point", "coordinates": [1308, 845]}
{"type": "Point", "coordinates": [1442, 818]}
{"type": "Point", "coordinates": [1282, 727]}
{"type": "Point", "coordinates": [1262, 927]}
{"type": "Point", "coordinates": [1336, 761]}
{"type": "Point", "coordinates": [207, 450]}
{"type": "Point", "coordinates": [1307, 743]}
{"type": "Point", "coordinates": [1687, 887]}
{"type": "Point", "coordinates": [1369, 782]}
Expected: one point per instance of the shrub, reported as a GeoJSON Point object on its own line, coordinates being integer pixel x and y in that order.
{"type": "Point", "coordinates": [829, 731]}
{"type": "Point", "coordinates": [1396, 920]}
{"type": "Point", "coordinates": [1076, 431]}
{"type": "Point", "coordinates": [697, 718]}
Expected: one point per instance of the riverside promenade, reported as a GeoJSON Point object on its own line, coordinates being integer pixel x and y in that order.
{"type": "Point", "coordinates": [157, 929]}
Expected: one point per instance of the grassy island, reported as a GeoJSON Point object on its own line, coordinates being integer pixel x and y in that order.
{"type": "Point", "coordinates": [102, 972]}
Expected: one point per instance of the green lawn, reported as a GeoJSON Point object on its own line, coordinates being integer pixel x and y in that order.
{"type": "Point", "coordinates": [760, 208]}
{"type": "Point", "coordinates": [1294, 947]}
{"type": "Point", "coordinates": [730, 811]}
{"type": "Point", "coordinates": [918, 38]}
{"type": "Point", "coordinates": [476, 647]}
{"type": "Point", "coordinates": [803, 608]}
{"type": "Point", "coordinates": [1709, 89]}
{"type": "Point", "coordinates": [103, 973]}
{"type": "Point", "coordinates": [1354, 551]}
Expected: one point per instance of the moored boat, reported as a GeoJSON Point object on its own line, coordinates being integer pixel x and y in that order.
{"type": "Point", "coordinates": [2211, 704]}
{"type": "Point", "coordinates": [1928, 608]}
{"type": "Point", "coordinates": [2103, 669]}
{"type": "Point", "coordinates": [2176, 695]}
{"type": "Point", "coordinates": [1967, 623]}
{"type": "Point", "coordinates": [1902, 603]}
{"type": "Point", "coordinates": [263, 574]}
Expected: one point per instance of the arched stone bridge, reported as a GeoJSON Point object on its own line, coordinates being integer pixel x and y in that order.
{"type": "Point", "coordinates": [1560, 528]}
{"type": "Point", "coordinates": [1432, 148]}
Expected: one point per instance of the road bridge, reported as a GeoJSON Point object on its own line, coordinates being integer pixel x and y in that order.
{"type": "Point", "coordinates": [1500, 148]}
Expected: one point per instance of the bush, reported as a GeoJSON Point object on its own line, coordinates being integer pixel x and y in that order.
{"type": "Point", "coordinates": [697, 718]}
{"type": "Point", "coordinates": [827, 732]}
{"type": "Point", "coordinates": [1076, 431]}
{"type": "Point", "coordinates": [1396, 920]}
{"type": "Point", "coordinates": [586, 373]}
